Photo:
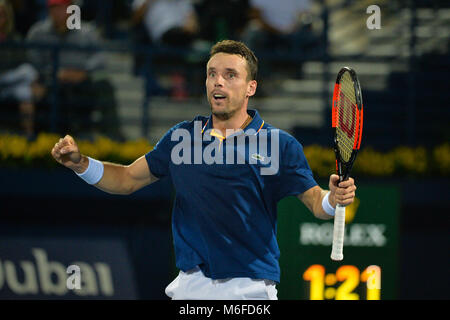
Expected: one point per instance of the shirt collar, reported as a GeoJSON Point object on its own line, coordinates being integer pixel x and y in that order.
{"type": "Point", "coordinates": [255, 125]}
{"type": "Point", "coordinates": [251, 129]}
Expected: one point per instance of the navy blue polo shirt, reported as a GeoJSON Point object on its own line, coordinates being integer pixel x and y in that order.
{"type": "Point", "coordinates": [227, 190]}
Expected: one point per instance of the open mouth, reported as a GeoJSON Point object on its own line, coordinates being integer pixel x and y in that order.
{"type": "Point", "coordinates": [219, 97]}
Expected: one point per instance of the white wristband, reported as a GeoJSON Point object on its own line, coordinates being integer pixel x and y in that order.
{"type": "Point", "coordinates": [93, 173]}
{"type": "Point", "coordinates": [327, 206]}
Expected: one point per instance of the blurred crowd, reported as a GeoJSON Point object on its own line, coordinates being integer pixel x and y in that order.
{"type": "Point", "coordinates": [29, 83]}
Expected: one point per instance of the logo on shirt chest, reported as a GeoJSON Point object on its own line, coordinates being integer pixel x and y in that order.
{"type": "Point", "coordinates": [257, 156]}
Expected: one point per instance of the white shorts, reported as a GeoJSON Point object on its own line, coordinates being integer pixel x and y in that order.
{"type": "Point", "coordinates": [193, 285]}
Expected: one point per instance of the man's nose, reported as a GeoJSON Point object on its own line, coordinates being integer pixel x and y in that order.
{"type": "Point", "coordinates": [218, 81]}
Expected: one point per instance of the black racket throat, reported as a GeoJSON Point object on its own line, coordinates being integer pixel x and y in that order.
{"type": "Point", "coordinates": [343, 170]}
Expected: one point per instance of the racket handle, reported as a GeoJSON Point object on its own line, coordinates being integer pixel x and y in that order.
{"type": "Point", "coordinates": [338, 233]}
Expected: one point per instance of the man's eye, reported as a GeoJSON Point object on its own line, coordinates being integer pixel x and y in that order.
{"type": "Point", "coordinates": [231, 75]}
{"type": "Point", "coordinates": [212, 74]}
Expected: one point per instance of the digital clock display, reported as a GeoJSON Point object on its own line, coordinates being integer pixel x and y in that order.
{"type": "Point", "coordinates": [369, 268]}
{"type": "Point", "coordinates": [344, 284]}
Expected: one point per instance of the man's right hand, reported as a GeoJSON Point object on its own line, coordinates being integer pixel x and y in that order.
{"type": "Point", "coordinates": [66, 152]}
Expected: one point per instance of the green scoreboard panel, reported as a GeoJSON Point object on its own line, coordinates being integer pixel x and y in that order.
{"type": "Point", "coordinates": [369, 268]}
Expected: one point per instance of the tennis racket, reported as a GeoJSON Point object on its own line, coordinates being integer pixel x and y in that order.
{"type": "Point", "coordinates": [347, 121]}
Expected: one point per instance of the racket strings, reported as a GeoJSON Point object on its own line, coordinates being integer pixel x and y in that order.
{"type": "Point", "coordinates": [346, 117]}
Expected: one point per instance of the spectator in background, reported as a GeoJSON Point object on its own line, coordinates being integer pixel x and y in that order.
{"type": "Point", "coordinates": [79, 95]}
{"type": "Point", "coordinates": [167, 22]}
{"type": "Point", "coordinates": [110, 17]}
{"type": "Point", "coordinates": [222, 19]}
{"type": "Point", "coordinates": [278, 25]}
{"type": "Point", "coordinates": [16, 76]}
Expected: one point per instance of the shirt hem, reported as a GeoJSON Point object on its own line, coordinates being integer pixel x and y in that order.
{"type": "Point", "coordinates": [251, 275]}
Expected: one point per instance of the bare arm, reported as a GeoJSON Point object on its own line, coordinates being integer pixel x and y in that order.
{"type": "Point", "coordinates": [139, 13]}
{"type": "Point", "coordinates": [344, 194]}
{"type": "Point", "coordinates": [256, 15]}
{"type": "Point", "coordinates": [191, 24]}
{"type": "Point", "coordinates": [312, 198]}
{"type": "Point", "coordinates": [117, 179]}
{"type": "Point", "coordinates": [120, 179]}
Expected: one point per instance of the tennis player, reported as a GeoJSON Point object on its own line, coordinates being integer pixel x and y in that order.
{"type": "Point", "coordinates": [225, 211]}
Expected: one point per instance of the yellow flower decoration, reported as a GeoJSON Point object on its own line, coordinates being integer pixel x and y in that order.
{"type": "Point", "coordinates": [17, 151]}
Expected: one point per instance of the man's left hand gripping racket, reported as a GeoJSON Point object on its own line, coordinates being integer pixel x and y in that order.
{"type": "Point", "coordinates": [347, 121]}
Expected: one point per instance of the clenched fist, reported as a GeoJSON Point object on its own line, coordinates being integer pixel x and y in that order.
{"type": "Point", "coordinates": [66, 152]}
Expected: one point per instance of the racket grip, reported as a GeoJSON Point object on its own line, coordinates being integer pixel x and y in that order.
{"type": "Point", "coordinates": [338, 234]}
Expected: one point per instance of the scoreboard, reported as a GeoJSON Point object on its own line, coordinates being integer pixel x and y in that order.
{"type": "Point", "coordinates": [369, 268]}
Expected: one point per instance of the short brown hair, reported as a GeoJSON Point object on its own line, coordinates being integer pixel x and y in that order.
{"type": "Point", "coordinates": [239, 48]}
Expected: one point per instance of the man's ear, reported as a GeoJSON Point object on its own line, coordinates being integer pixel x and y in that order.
{"type": "Point", "coordinates": [251, 90]}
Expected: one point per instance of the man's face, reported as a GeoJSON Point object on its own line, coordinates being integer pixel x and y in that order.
{"type": "Point", "coordinates": [227, 84]}
{"type": "Point", "coordinates": [58, 14]}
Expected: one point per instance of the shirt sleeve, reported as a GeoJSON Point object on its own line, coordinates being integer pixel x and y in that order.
{"type": "Point", "coordinates": [296, 176]}
{"type": "Point", "coordinates": [158, 159]}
